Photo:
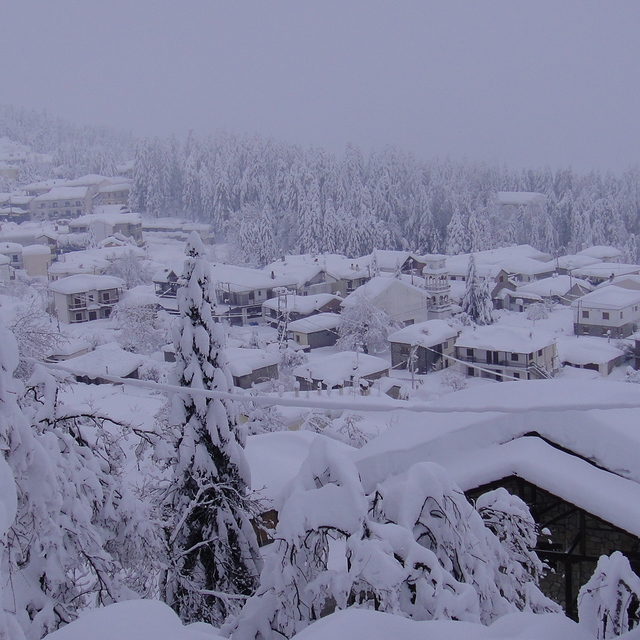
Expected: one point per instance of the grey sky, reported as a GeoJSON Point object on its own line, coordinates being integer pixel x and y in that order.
{"type": "Point", "coordinates": [523, 82]}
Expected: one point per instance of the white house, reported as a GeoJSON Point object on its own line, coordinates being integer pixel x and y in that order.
{"type": "Point", "coordinates": [609, 311]}
{"type": "Point", "coordinates": [81, 298]}
{"type": "Point", "coordinates": [499, 351]}
{"type": "Point", "coordinates": [558, 289]}
{"type": "Point", "coordinates": [36, 259]}
{"type": "Point", "coordinates": [402, 301]}
{"type": "Point", "coordinates": [586, 352]}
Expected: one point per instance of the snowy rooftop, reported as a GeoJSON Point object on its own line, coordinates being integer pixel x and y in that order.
{"type": "Point", "coordinates": [317, 322]}
{"type": "Point", "coordinates": [555, 286]}
{"type": "Point", "coordinates": [341, 367]}
{"type": "Point", "coordinates": [302, 304]}
{"type": "Point", "coordinates": [586, 350]}
{"type": "Point", "coordinates": [425, 334]}
{"type": "Point", "coordinates": [338, 266]}
{"type": "Point", "coordinates": [118, 186]}
{"type": "Point", "coordinates": [575, 261]}
{"type": "Point", "coordinates": [504, 338]}
{"type": "Point", "coordinates": [377, 286]}
{"type": "Point", "coordinates": [606, 270]}
{"type": "Point", "coordinates": [473, 435]}
{"type": "Point", "coordinates": [85, 282]}
{"type": "Point", "coordinates": [240, 279]}
{"type": "Point", "coordinates": [110, 218]}
{"type": "Point", "coordinates": [10, 247]}
{"type": "Point", "coordinates": [527, 266]}
{"type": "Point", "coordinates": [243, 362]}
{"type": "Point", "coordinates": [60, 193]}
{"type": "Point", "coordinates": [107, 360]}
{"type": "Point", "coordinates": [609, 297]}
{"type": "Point", "coordinates": [36, 250]}
{"type": "Point", "coordinates": [389, 260]}
{"type": "Point", "coordinates": [601, 252]}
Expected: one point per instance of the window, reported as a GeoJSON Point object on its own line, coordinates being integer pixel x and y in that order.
{"type": "Point", "coordinates": [516, 374]}
{"type": "Point", "coordinates": [539, 352]}
{"type": "Point", "coordinates": [621, 313]}
{"type": "Point", "coordinates": [78, 203]}
{"type": "Point", "coordinates": [515, 357]}
{"type": "Point", "coordinates": [470, 371]}
{"type": "Point", "coordinates": [605, 315]}
{"type": "Point", "coordinates": [585, 314]}
{"type": "Point", "coordinates": [67, 203]}
{"type": "Point", "coordinates": [79, 212]}
{"type": "Point", "coordinates": [445, 344]}
{"type": "Point", "coordinates": [55, 205]}
{"type": "Point", "coordinates": [470, 353]}
{"type": "Point", "coordinates": [43, 205]}
{"type": "Point", "coordinates": [78, 317]}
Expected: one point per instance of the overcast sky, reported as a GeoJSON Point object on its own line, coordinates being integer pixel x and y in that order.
{"type": "Point", "coordinates": [523, 82]}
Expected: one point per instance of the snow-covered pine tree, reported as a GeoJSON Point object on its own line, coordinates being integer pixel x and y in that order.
{"type": "Point", "coordinates": [214, 559]}
{"type": "Point", "coordinates": [609, 603]}
{"type": "Point", "coordinates": [476, 302]}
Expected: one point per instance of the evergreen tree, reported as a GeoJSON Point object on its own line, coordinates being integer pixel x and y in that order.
{"type": "Point", "coordinates": [476, 302]}
{"type": "Point", "coordinates": [214, 561]}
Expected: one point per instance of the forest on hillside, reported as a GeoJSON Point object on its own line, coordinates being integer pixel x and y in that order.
{"type": "Point", "coordinates": [269, 197]}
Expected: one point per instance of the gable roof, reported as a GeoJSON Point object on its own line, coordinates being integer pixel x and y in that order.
{"type": "Point", "coordinates": [586, 451]}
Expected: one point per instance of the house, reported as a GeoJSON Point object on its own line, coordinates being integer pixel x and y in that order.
{"type": "Point", "coordinates": [609, 311]}
{"type": "Point", "coordinates": [82, 298]}
{"type": "Point", "coordinates": [106, 360]}
{"type": "Point", "coordinates": [527, 269]}
{"type": "Point", "coordinates": [36, 259]}
{"type": "Point", "coordinates": [112, 194]}
{"type": "Point", "coordinates": [249, 367]}
{"type": "Point", "coordinates": [69, 349]}
{"type": "Point", "coordinates": [605, 271]}
{"type": "Point", "coordinates": [577, 470]}
{"type": "Point", "coordinates": [6, 271]}
{"type": "Point", "coordinates": [423, 347]}
{"type": "Point", "coordinates": [77, 263]}
{"type": "Point", "coordinates": [500, 352]}
{"type": "Point", "coordinates": [244, 290]}
{"type": "Point", "coordinates": [30, 233]}
{"type": "Point", "coordinates": [402, 301]}
{"type": "Point", "coordinates": [558, 290]}
{"type": "Point", "coordinates": [565, 265]}
{"type": "Point", "coordinates": [388, 261]}
{"type": "Point", "coordinates": [104, 225]}
{"type": "Point", "coordinates": [602, 253]}
{"type": "Point", "coordinates": [586, 352]}
{"type": "Point", "coordinates": [13, 251]}
{"type": "Point", "coordinates": [344, 369]}
{"type": "Point", "coordinates": [298, 307]}
{"type": "Point", "coordinates": [320, 330]}
{"type": "Point", "coordinates": [308, 272]}
{"type": "Point", "coordinates": [61, 202]}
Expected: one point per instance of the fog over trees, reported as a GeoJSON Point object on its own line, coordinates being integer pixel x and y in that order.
{"type": "Point", "coordinates": [293, 199]}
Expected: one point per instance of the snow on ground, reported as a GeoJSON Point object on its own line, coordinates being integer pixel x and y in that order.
{"type": "Point", "coordinates": [152, 620]}
{"type": "Point", "coordinates": [133, 620]}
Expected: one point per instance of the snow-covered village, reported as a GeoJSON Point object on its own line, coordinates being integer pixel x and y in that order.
{"type": "Point", "coordinates": [302, 380]}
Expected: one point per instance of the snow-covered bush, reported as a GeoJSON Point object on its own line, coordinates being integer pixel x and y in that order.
{"type": "Point", "coordinates": [415, 548]}
{"type": "Point", "coordinates": [537, 311]}
{"type": "Point", "coordinates": [609, 604]}
{"type": "Point", "coordinates": [137, 325]}
{"type": "Point", "coordinates": [454, 379]}
{"type": "Point", "coordinates": [365, 327]}
{"type": "Point", "coordinates": [131, 268]}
